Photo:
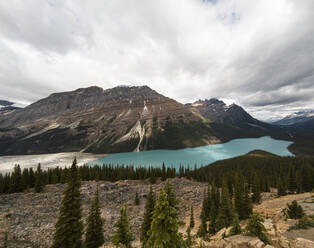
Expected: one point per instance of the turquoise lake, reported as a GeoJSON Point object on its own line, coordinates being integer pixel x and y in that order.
{"type": "Point", "coordinates": [199, 155]}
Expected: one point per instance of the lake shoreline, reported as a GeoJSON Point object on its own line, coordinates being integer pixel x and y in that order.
{"type": "Point", "coordinates": [65, 159]}
{"type": "Point", "coordinates": [49, 160]}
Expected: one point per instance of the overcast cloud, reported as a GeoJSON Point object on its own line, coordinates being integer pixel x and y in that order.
{"type": "Point", "coordinates": [259, 54]}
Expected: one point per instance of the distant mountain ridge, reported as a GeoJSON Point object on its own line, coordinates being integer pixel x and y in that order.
{"type": "Point", "coordinates": [297, 117]}
{"type": "Point", "coordinates": [132, 118]}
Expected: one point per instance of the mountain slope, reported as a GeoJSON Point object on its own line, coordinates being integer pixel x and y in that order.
{"type": "Point", "coordinates": [295, 118]}
{"type": "Point", "coordinates": [91, 119]}
{"type": "Point", "coordinates": [7, 107]}
{"type": "Point", "coordinates": [124, 119]}
{"type": "Point", "coordinates": [217, 111]}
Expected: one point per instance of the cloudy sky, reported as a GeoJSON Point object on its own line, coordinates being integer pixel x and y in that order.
{"type": "Point", "coordinates": [259, 54]}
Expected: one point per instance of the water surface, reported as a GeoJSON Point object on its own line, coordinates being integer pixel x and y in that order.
{"type": "Point", "coordinates": [199, 155]}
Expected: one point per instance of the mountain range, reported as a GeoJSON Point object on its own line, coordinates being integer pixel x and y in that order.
{"type": "Point", "coordinates": [297, 117]}
{"type": "Point", "coordinates": [124, 119]}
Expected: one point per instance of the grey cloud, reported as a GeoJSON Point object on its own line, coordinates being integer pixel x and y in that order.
{"type": "Point", "coordinates": [50, 26]}
{"type": "Point", "coordinates": [259, 54]}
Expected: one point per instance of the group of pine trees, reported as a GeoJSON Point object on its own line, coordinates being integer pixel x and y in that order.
{"type": "Point", "coordinates": [69, 227]}
{"type": "Point", "coordinates": [160, 227]}
{"type": "Point", "coordinates": [287, 174]}
{"type": "Point", "coordinates": [234, 185]}
{"type": "Point", "coordinates": [224, 206]}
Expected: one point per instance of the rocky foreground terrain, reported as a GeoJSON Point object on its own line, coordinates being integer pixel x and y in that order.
{"type": "Point", "coordinates": [29, 218]}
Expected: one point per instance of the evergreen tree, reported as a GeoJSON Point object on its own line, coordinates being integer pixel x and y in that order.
{"type": "Point", "coordinates": [294, 210]}
{"type": "Point", "coordinates": [256, 197]}
{"type": "Point", "coordinates": [94, 237]}
{"type": "Point", "coordinates": [123, 235]}
{"type": "Point", "coordinates": [164, 232]}
{"type": "Point", "coordinates": [202, 229]}
{"type": "Point", "coordinates": [16, 184]}
{"type": "Point", "coordinates": [247, 203]}
{"type": "Point", "coordinates": [148, 216]}
{"type": "Point", "coordinates": [25, 179]}
{"type": "Point", "coordinates": [225, 215]}
{"type": "Point", "coordinates": [39, 185]}
{"type": "Point", "coordinates": [69, 227]}
{"type": "Point", "coordinates": [214, 206]}
{"type": "Point", "coordinates": [163, 174]}
{"type": "Point", "coordinates": [281, 190]}
{"type": "Point", "coordinates": [152, 178]}
{"type": "Point", "coordinates": [31, 178]}
{"type": "Point", "coordinates": [212, 227]}
{"type": "Point", "coordinates": [205, 208]}
{"type": "Point", "coordinates": [236, 228]}
{"type": "Point", "coordinates": [189, 239]}
{"type": "Point", "coordinates": [238, 196]}
{"type": "Point", "coordinates": [292, 185]}
{"type": "Point", "coordinates": [256, 228]}
{"type": "Point", "coordinates": [137, 199]}
{"type": "Point", "coordinates": [192, 222]}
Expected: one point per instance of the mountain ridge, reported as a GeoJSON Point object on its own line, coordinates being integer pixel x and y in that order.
{"type": "Point", "coordinates": [102, 121]}
{"type": "Point", "coordinates": [296, 117]}
{"type": "Point", "coordinates": [131, 118]}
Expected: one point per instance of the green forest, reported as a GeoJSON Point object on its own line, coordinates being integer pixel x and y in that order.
{"type": "Point", "coordinates": [260, 171]}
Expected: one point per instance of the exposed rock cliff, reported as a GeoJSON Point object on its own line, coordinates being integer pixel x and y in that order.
{"type": "Point", "coordinates": [102, 121]}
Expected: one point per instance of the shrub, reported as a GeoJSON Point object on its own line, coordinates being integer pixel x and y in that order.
{"type": "Point", "coordinates": [303, 223]}
{"type": "Point", "coordinates": [294, 211]}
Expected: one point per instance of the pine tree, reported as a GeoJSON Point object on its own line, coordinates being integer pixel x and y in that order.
{"type": "Point", "coordinates": [238, 196]}
{"type": "Point", "coordinates": [164, 232]}
{"type": "Point", "coordinates": [152, 178]}
{"type": "Point", "coordinates": [281, 190]}
{"type": "Point", "coordinates": [192, 222]}
{"type": "Point", "coordinates": [247, 203]}
{"type": "Point", "coordinates": [214, 206]}
{"type": "Point", "coordinates": [94, 237]}
{"type": "Point", "coordinates": [189, 240]}
{"type": "Point", "coordinates": [202, 229]}
{"type": "Point", "coordinates": [256, 228]}
{"type": "Point", "coordinates": [16, 184]}
{"type": "Point", "coordinates": [123, 235]}
{"type": "Point", "coordinates": [148, 216]}
{"type": "Point", "coordinates": [225, 215]}
{"type": "Point", "coordinates": [163, 174]}
{"type": "Point", "coordinates": [256, 197]}
{"type": "Point", "coordinates": [294, 210]}
{"type": "Point", "coordinates": [39, 185]}
{"type": "Point", "coordinates": [137, 199]}
{"type": "Point", "coordinates": [205, 208]}
{"type": "Point", "coordinates": [236, 228]}
{"type": "Point", "coordinates": [69, 227]}
{"type": "Point", "coordinates": [292, 185]}
{"type": "Point", "coordinates": [31, 178]}
{"type": "Point", "coordinates": [64, 174]}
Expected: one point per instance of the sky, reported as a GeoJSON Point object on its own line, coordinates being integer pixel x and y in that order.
{"type": "Point", "coordinates": [258, 54]}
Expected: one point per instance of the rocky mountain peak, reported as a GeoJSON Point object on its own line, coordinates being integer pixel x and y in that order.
{"type": "Point", "coordinates": [218, 111]}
